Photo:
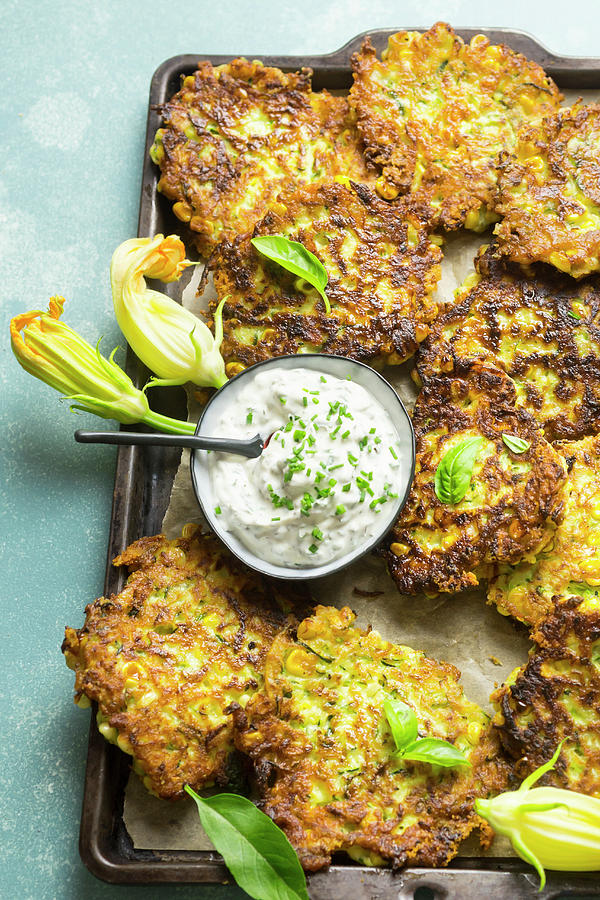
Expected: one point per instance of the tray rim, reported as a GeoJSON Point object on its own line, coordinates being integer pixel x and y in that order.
{"type": "Point", "coordinates": [104, 846]}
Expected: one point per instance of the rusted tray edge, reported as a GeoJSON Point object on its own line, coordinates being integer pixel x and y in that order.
{"type": "Point", "coordinates": [104, 845]}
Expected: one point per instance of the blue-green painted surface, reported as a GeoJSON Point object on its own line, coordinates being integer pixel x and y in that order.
{"type": "Point", "coordinates": [72, 117]}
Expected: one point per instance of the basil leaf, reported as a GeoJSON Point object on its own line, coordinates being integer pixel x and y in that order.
{"type": "Point", "coordinates": [453, 474]}
{"type": "Point", "coordinates": [255, 850]}
{"type": "Point", "coordinates": [402, 722]}
{"type": "Point", "coordinates": [438, 753]}
{"type": "Point", "coordinates": [516, 444]}
{"type": "Point", "coordinates": [294, 257]}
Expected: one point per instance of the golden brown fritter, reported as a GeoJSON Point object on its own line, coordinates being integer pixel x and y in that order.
{"type": "Point", "coordinates": [324, 758]}
{"type": "Point", "coordinates": [234, 134]}
{"type": "Point", "coordinates": [541, 327]}
{"type": "Point", "coordinates": [570, 564]}
{"type": "Point", "coordinates": [556, 696]}
{"type": "Point", "coordinates": [549, 193]}
{"type": "Point", "coordinates": [506, 514]}
{"type": "Point", "coordinates": [436, 112]}
{"type": "Point", "coordinates": [382, 268]}
{"type": "Point", "coordinates": [164, 659]}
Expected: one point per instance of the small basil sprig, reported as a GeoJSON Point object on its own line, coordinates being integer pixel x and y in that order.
{"type": "Point", "coordinates": [255, 850]}
{"type": "Point", "coordinates": [516, 444]}
{"type": "Point", "coordinates": [294, 257]}
{"type": "Point", "coordinates": [453, 474]}
{"type": "Point", "coordinates": [403, 724]}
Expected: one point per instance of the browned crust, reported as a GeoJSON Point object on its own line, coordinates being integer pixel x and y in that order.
{"type": "Point", "coordinates": [286, 765]}
{"type": "Point", "coordinates": [481, 331]}
{"type": "Point", "coordinates": [213, 170]}
{"type": "Point", "coordinates": [125, 649]}
{"type": "Point", "coordinates": [365, 322]}
{"type": "Point", "coordinates": [480, 398]}
{"type": "Point", "coordinates": [532, 715]}
{"type": "Point", "coordinates": [535, 226]}
{"type": "Point", "coordinates": [395, 140]}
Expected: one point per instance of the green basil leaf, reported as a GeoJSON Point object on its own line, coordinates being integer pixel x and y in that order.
{"type": "Point", "coordinates": [516, 444]}
{"type": "Point", "coordinates": [402, 722]}
{"type": "Point", "coordinates": [255, 850]}
{"type": "Point", "coordinates": [438, 753]}
{"type": "Point", "coordinates": [453, 474]}
{"type": "Point", "coordinates": [294, 257]}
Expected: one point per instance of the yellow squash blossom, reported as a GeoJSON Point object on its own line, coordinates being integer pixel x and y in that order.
{"type": "Point", "coordinates": [54, 353]}
{"type": "Point", "coordinates": [549, 827]}
{"type": "Point", "coordinates": [169, 339]}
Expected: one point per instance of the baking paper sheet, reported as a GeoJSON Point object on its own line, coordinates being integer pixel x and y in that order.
{"type": "Point", "coordinates": [460, 629]}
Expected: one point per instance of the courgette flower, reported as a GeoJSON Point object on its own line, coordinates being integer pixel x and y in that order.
{"type": "Point", "coordinates": [54, 353]}
{"type": "Point", "coordinates": [169, 339]}
{"type": "Point", "coordinates": [548, 827]}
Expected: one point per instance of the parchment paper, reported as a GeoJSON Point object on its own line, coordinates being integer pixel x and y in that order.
{"type": "Point", "coordinates": [460, 629]}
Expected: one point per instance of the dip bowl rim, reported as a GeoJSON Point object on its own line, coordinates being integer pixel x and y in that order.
{"type": "Point", "coordinates": [304, 573]}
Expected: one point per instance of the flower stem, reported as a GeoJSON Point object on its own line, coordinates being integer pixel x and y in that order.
{"type": "Point", "coordinates": [165, 423]}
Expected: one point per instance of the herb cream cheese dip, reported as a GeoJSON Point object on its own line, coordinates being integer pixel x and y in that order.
{"type": "Point", "coordinates": [319, 488]}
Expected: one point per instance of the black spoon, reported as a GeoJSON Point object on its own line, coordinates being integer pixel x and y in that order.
{"type": "Point", "coordinates": [250, 448]}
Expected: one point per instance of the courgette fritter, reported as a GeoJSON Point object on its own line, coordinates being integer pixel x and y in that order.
{"type": "Point", "coordinates": [323, 754]}
{"type": "Point", "coordinates": [234, 134]}
{"type": "Point", "coordinates": [556, 696]}
{"type": "Point", "coordinates": [435, 113]}
{"type": "Point", "coordinates": [508, 510]}
{"type": "Point", "coordinates": [541, 327]}
{"type": "Point", "coordinates": [549, 193]}
{"type": "Point", "coordinates": [165, 658]}
{"type": "Point", "coordinates": [382, 267]}
{"type": "Point", "coordinates": [570, 564]}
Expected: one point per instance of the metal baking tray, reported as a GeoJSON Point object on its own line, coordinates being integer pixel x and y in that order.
{"type": "Point", "coordinates": [143, 480]}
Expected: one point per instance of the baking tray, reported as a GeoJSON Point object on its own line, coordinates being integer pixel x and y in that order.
{"type": "Point", "coordinates": [143, 480]}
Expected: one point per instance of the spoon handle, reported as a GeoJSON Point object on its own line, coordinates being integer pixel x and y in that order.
{"type": "Point", "coordinates": [251, 448]}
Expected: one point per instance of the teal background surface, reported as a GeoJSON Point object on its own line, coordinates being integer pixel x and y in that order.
{"type": "Point", "coordinates": [72, 112]}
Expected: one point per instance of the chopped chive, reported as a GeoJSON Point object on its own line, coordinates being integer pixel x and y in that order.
{"type": "Point", "coordinates": [311, 439]}
{"type": "Point", "coordinates": [313, 548]}
{"type": "Point", "coordinates": [314, 400]}
{"type": "Point", "coordinates": [332, 482]}
{"type": "Point", "coordinates": [283, 400]}
{"type": "Point", "coordinates": [299, 434]}
{"type": "Point", "coordinates": [363, 442]}
{"type": "Point", "coordinates": [305, 401]}
{"type": "Point", "coordinates": [393, 452]}
{"type": "Point", "coordinates": [335, 431]}
{"type": "Point", "coordinates": [345, 434]}
{"type": "Point", "coordinates": [323, 379]}
{"type": "Point", "coordinates": [249, 418]}
{"type": "Point", "coordinates": [317, 533]}
{"type": "Point", "coordinates": [377, 440]}
{"type": "Point", "coordinates": [217, 510]}
{"type": "Point", "coordinates": [346, 487]}
{"type": "Point", "coordinates": [276, 519]}
{"type": "Point", "coordinates": [352, 459]}
{"type": "Point", "coordinates": [340, 510]}
{"type": "Point", "coordinates": [372, 431]}
{"type": "Point", "coordinates": [338, 466]}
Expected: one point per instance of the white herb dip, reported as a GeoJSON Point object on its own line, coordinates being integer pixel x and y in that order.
{"type": "Point", "coordinates": [320, 485]}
